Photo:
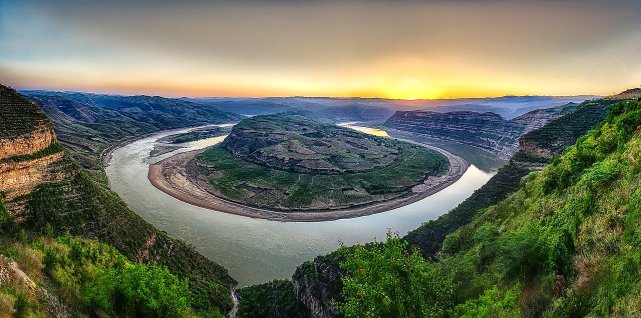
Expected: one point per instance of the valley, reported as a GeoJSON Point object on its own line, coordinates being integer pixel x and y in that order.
{"type": "Point", "coordinates": [320, 159]}
{"type": "Point", "coordinates": [224, 236]}
{"type": "Point", "coordinates": [487, 131]}
{"type": "Point", "coordinates": [303, 178]}
{"type": "Point", "coordinates": [231, 239]}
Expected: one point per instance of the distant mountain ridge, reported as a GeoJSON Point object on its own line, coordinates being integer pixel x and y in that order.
{"type": "Point", "coordinates": [487, 131]}
{"type": "Point", "coordinates": [89, 124]}
{"type": "Point", "coordinates": [379, 109]}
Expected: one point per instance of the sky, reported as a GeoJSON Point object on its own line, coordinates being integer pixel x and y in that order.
{"type": "Point", "coordinates": [404, 49]}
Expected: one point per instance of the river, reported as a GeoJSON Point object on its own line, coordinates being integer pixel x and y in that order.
{"type": "Point", "coordinates": [256, 250]}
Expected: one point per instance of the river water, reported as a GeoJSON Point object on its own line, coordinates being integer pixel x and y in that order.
{"type": "Point", "coordinates": [255, 250]}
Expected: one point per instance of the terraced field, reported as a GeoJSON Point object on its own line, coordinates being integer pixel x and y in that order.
{"type": "Point", "coordinates": [290, 162]}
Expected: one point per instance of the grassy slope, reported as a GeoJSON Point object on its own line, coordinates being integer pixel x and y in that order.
{"type": "Point", "coordinates": [87, 124]}
{"type": "Point", "coordinates": [296, 190]}
{"type": "Point", "coordinates": [568, 239]}
{"type": "Point", "coordinates": [78, 277]}
{"type": "Point", "coordinates": [81, 206]}
{"type": "Point", "coordinates": [554, 136]}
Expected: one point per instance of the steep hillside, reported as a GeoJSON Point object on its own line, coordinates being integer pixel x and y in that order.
{"type": "Point", "coordinates": [486, 131]}
{"type": "Point", "coordinates": [551, 139]}
{"type": "Point", "coordinates": [565, 244]}
{"type": "Point", "coordinates": [46, 192]}
{"type": "Point", "coordinates": [318, 283]}
{"type": "Point", "coordinates": [89, 124]}
{"type": "Point", "coordinates": [74, 277]}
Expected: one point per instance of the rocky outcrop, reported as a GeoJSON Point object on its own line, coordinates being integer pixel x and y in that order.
{"type": "Point", "coordinates": [317, 284]}
{"type": "Point", "coordinates": [43, 190]}
{"type": "Point", "coordinates": [487, 131]}
{"type": "Point", "coordinates": [29, 154]}
{"type": "Point", "coordinates": [28, 143]}
{"type": "Point", "coordinates": [634, 93]}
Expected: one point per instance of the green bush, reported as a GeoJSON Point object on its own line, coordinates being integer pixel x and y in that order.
{"type": "Point", "coordinates": [139, 291]}
{"type": "Point", "coordinates": [94, 276]}
{"type": "Point", "coordinates": [273, 299]}
{"type": "Point", "coordinates": [525, 253]}
{"type": "Point", "coordinates": [492, 304]}
{"type": "Point", "coordinates": [386, 280]}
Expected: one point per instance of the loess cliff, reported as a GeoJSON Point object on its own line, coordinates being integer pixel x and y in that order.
{"type": "Point", "coordinates": [43, 191]}
{"type": "Point", "coordinates": [487, 131]}
{"type": "Point", "coordinates": [29, 152]}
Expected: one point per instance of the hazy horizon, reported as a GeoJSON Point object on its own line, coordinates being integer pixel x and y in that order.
{"type": "Point", "coordinates": [371, 49]}
{"type": "Point", "coordinates": [27, 89]}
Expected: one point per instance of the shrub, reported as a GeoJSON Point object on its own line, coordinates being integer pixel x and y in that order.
{"type": "Point", "coordinates": [139, 291]}
{"type": "Point", "coordinates": [492, 304]}
{"type": "Point", "coordinates": [388, 281]}
{"type": "Point", "coordinates": [524, 253]}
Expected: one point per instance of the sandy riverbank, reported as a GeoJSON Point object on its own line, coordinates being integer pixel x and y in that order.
{"type": "Point", "coordinates": [171, 177]}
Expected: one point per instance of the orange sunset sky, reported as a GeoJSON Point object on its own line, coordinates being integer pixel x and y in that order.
{"type": "Point", "coordinates": [393, 49]}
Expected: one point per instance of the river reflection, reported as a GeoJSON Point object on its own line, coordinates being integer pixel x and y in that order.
{"type": "Point", "coordinates": [256, 250]}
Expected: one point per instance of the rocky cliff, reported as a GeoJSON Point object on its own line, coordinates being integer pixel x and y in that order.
{"type": "Point", "coordinates": [317, 285]}
{"type": "Point", "coordinates": [29, 153]}
{"type": "Point", "coordinates": [487, 131]}
{"type": "Point", "coordinates": [46, 192]}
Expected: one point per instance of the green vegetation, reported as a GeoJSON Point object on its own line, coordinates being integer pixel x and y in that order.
{"type": "Point", "coordinates": [5, 218]}
{"type": "Point", "coordinates": [568, 128]}
{"type": "Point", "coordinates": [90, 277]}
{"type": "Point", "coordinates": [197, 134]}
{"type": "Point", "coordinates": [385, 280]}
{"type": "Point", "coordinates": [273, 299]}
{"type": "Point", "coordinates": [430, 235]}
{"type": "Point", "coordinates": [298, 144]}
{"type": "Point", "coordinates": [96, 212]}
{"type": "Point", "coordinates": [565, 244]}
{"type": "Point", "coordinates": [551, 139]}
{"type": "Point", "coordinates": [50, 150]}
{"type": "Point", "coordinates": [88, 124]}
{"type": "Point", "coordinates": [257, 185]}
{"type": "Point", "coordinates": [295, 185]}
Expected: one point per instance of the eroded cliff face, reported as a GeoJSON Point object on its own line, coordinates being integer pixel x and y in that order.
{"type": "Point", "coordinates": [29, 156]}
{"type": "Point", "coordinates": [317, 284]}
{"type": "Point", "coordinates": [28, 143]}
{"type": "Point", "coordinates": [486, 131]}
{"type": "Point", "coordinates": [42, 187]}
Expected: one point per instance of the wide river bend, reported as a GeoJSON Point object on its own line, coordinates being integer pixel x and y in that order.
{"type": "Point", "coordinates": [257, 250]}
